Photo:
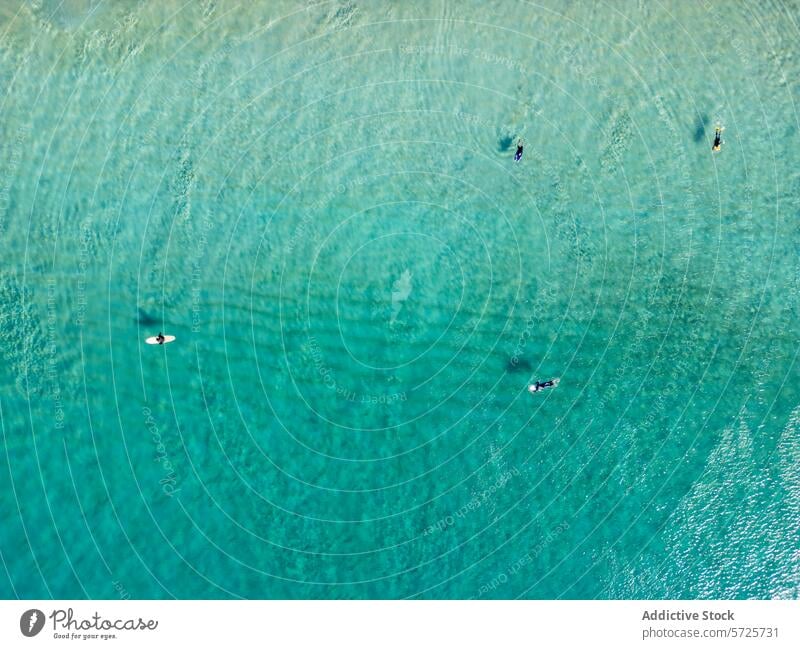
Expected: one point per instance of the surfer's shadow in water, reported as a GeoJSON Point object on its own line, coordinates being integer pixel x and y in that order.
{"type": "Point", "coordinates": [516, 364]}
{"type": "Point", "coordinates": [146, 320]}
{"type": "Point", "coordinates": [700, 129]}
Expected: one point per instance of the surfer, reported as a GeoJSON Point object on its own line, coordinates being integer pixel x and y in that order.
{"type": "Point", "coordinates": [541, 385]}
{"type": "Point", "coordinates": [518, 154]}
{"type": "Point", "coordinates": [717, 139]}
{"type": "Point", "coordinates": [160, 339]}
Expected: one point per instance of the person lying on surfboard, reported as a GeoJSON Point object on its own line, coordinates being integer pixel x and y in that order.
{"type": "Point", "coordinates": [160, 339]}
{"type": "Point", "coordinates": [518, 154]}
{"type": "Point", "coordinates": [541, 385]}
{"type": "Point", "coordinates": [717, 139]}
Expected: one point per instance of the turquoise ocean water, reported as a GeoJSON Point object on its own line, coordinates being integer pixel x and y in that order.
{"type": "Point", "coordinates": [320, 201]}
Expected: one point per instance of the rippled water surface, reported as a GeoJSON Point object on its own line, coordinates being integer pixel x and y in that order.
{"type": "Point", "coordinates": [320, 202]}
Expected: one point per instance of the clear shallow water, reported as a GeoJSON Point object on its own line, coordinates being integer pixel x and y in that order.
{"type": "Point", "coordinates": [320, 203]}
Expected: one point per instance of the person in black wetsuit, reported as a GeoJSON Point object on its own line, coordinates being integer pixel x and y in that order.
{"type": "Point", "coordinates": [541, 385]}
{"type": "Point", "coordinates": [717, 139]}
{"type": "Point", "coordinates": [160, 338]}
{"type": "Point", "coordinates": [518, 154]}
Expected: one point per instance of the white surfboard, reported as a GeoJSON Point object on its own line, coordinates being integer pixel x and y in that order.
{"type": "Point", "coordinates": [153, 340]}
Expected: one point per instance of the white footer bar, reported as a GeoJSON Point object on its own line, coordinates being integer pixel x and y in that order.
{"type": "Point", "coordinates": [399, 624]}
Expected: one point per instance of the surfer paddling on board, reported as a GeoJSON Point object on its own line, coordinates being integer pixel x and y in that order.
{"type": "Point", "coordinates": [717, 139]}
{"type": "Point", "coordinates": [542, 385]}
{"type": "Point", "coordinates": [160, 339]}
{"type": "Point", "coordinates": [518, 154]}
